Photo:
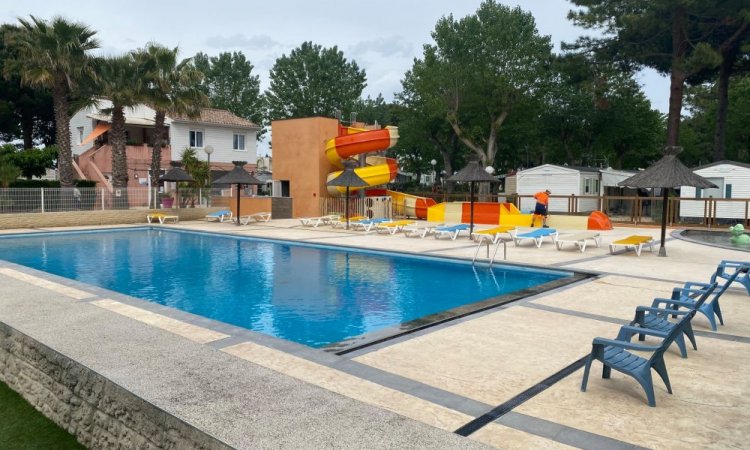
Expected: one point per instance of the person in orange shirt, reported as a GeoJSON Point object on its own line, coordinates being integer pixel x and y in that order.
{"type": "Point", "coordinates": [542, 202]}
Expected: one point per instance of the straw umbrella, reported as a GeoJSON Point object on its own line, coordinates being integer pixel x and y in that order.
{"type": "Point", "coordinates": [349, 179]}
{"type": "Point", "coordinates": [472, 173]}
{"type": "Point", "coordinates": [177, 174]}
{"type": "Point", "coordinates": [667, 173]}
{"type": "Point", "coordinates": [238, 176]}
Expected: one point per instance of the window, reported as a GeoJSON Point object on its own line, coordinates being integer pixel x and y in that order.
{"type": "Point", "coordinates": [591, 186]}
{"type": "Point", "coordinates": [80, 135]}
{"type": "Point", "coordinates": [238, 142]}
{"type": "Point", "coordinates": [717, 192]}
{"type": "Point", "coordinates": [196, 139]}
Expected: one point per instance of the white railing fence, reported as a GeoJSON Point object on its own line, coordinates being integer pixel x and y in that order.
{"type": "Point", "coordinates": [46, 200]}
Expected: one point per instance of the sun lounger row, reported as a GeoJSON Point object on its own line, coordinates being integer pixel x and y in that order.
{"type": "Point", "coordinates": [654, 321]}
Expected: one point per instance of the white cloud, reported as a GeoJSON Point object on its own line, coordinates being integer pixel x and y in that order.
{"type": "Point", "coordinates": [240, 41]}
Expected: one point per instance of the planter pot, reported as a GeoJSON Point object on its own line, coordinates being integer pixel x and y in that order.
{"type": "Point", "coordinates": [166, 203]}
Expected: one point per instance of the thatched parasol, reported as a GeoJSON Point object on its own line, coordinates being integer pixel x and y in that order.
{"type": "Point", "coordinates": [667, 173]}
{"type": "Point", "coordinates": [238, 176]}
{"type": "Point", "coordinates": [177, 174]}
{"type": "Point", "coordinates": [472, 173]}
{"type": "Point", "coordinates": [347, 178]}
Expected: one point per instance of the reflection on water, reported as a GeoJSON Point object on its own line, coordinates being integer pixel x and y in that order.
{"type": "Point", "coordinates": [309, 295]}
{"type": "Point", "coordinates": [716, 238]}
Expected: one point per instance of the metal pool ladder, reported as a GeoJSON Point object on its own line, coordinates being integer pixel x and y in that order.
{"type": "Point", "coordinates": [487, 242]}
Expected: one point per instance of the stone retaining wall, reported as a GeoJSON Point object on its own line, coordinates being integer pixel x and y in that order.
{"type": "Point", "coordinates": [98, 412]}
{"type": "Point", "coordinates": [109, 217]}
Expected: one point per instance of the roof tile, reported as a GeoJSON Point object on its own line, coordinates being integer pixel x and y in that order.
{"type": "Point", "coordinates": [218, 117]}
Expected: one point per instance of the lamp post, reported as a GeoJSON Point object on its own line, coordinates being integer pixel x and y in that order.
{"type": "Point", "coordinates": [434, 175]}
{"type": "Point", "coordinates": [209, 149]}
{"type": "Point", "coordinates": [490, 170]}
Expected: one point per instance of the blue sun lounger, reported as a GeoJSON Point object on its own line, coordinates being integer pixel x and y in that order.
{"type": "Point", "coordinates": [450, 231]}
{"type": "Point", "coordinates": [221, 216]}
{"type": "Point", "coordinates": [537, 236]}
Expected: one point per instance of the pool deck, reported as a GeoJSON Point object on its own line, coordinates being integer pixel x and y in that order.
{"type": "Point", "coordinates": [508, 377]}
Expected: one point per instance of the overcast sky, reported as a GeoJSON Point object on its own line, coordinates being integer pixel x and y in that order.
{"type": "Point", "coordinates": [383, 37]}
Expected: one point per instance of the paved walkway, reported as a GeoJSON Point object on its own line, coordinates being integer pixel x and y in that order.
{"type": "Point", "coordinates": [507, 377]}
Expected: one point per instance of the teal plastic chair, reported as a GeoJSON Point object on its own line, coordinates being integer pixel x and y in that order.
{"type": "Point", "coordinates": [739, 271]}
{"type": "Point", "coordinates": [656, 317]}
{"type": "Point", "coordinates": [615, 354]}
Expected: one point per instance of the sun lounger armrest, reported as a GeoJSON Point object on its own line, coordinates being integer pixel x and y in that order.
{"type": "Point", "coordinates": [690, 284]}
{"type": "Point", "coordinates": [670, 301]}
{"type": "Point", "coordinates": [628, 331]}
{"type": "Point", "coordinates": [688, 291]}
{"type": "Point", "coordinates": [625, 345]}
{"type": "Point", "coordinates": [728, 263]}
{"type": "Point", "coordinates": [664, 311]}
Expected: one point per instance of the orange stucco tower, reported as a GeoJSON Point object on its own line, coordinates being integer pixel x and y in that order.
{"type": "Point", "coordinates": [300, 165]}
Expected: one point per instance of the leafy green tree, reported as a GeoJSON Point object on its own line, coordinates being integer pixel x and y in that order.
{"type": "Point", "coordinates": [597, 113]}
{"type": "Point", "coordinates": [667, 35]}
{"type": "Point", "coordinates": [120, 80]}
{"type": "Point", "coordinates": [8, 171]}
{"type": "Point", "coordinates": [230, 84]}
{"type": "Point", "coordinates": [32, 162]}
{"type": "Point", "coordinates": [53, 55]}
{"type": "Point", "coordinates": [482, 69]}
{"type": "Point", "coordinates": [25, 112]}
{"type": "Point", "coordinates": [700, 124]}
{"type": "Point", "coordinates": [172, 87]}
{"type": "Point", "coordinates": [313, 81]}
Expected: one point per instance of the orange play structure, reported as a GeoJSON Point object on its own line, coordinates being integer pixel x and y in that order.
{"type": "Point", "coordinates": [306, 150]}
{"type": "Point", "coordinates": [507, 214]}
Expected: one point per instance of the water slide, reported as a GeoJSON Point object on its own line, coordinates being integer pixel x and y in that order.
{"type": "Point", "coordinates": [352, 142]}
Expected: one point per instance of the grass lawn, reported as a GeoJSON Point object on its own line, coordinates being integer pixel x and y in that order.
{"type": "Point", "coordinates": [22, 427]}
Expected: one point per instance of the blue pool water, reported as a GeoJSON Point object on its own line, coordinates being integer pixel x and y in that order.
{"type": "Point", "coordinates": [307, 294]}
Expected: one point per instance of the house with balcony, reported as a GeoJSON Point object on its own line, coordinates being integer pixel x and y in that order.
{"type": "Point", "coordinates": [230, 138]}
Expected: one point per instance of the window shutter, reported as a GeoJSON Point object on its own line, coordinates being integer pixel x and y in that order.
{"type": "Point", "coordinates": [728, 191]}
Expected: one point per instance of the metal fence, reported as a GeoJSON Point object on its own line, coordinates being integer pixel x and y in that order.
{"type": "Point", "coordinates": [706, 212]}
{"type": "Point", "coordinates": [698, 212]}
{"type": "Point", "coordinates": [372, 207]}
{"type": "Point", "coordinates": [45, 200]}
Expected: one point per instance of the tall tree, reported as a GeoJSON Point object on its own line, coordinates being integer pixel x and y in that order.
{"type": "Point", "coordinates": [170, 88]}
{"type": "Point", "coordinates": [700, 124]}
{"type": "Point", "coordinates": [230, 84]}
{"type": "Point", "coordinates": [25, 112]}
{"type": "Point", "coordinates": [596, 113]}
{"type": "Point", "coordinates": [120, 80]}
{"type": "Point", "coordinates": [53, 55]}
{"type": "Point", "coordinates": [662, 34]}
{"type": "Point", "coordinates": [313, 81]}
{"type": "Point", "coordinates": [481, 69]}
{"type": "Point", "coordinates": [731, 33]}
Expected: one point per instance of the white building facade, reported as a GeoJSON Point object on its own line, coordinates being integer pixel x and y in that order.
{"type": "Point", "coordinates": [733, 182]}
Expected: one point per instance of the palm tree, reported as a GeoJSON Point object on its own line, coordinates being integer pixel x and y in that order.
{"type": "Point", "coordinates": [53, 55]}
{"type": "Point", "coordinates": [119, 81]}
{"type": "Point", "coordinates": [172, 88]}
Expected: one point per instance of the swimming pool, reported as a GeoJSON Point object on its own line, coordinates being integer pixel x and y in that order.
{"type": "Point", "coordinates": [313, 295]}
{"type": "Point", "coordinates": [713, 238]}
